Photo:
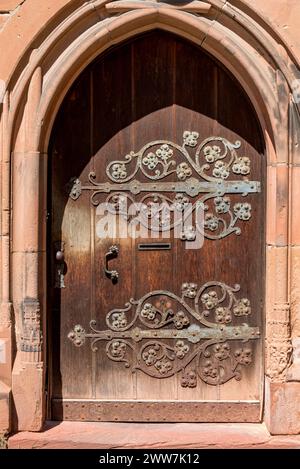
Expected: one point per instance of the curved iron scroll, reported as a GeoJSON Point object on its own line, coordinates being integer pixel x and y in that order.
{"type": "Point", "coordinates": [162, 334]}
{"type": "Point", "coordinates": [201, 169]}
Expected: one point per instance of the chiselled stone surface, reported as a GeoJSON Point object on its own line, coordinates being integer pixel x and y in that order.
{"type": "Point", "coordinates": [121, 435]}
{"type": "Point", "coordinates": [3, 19]}
{"type": "Point", "coordinates": [9, 5]}
{"type": "Point", "coordinates": [284, 15]}
{"type": "Point", "coordinates": [283, 408]}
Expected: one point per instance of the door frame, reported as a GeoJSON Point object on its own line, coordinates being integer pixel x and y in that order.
{"type": "Point", "coordinates": [29, 120]}
{"type": "Point", "coordinates": [74, 408]}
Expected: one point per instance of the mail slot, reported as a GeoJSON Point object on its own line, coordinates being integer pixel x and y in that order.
{"type": "Point", "coordinates": [153, 246]}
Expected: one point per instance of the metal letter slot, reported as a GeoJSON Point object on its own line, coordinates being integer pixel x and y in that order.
{"type": "Point", "coordinates": [154, 246]}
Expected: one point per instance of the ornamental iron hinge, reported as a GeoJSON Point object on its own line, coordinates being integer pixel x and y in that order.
{"type": "Point", "coordinates": [203, 175]}
{"type": "Point", "coordinates": [205, 344]}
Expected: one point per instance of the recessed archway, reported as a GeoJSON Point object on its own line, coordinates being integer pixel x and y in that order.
{"type": "Point", "coordinates": [34, 104]}
{"type": "Point", "coordinates": [157, 88]}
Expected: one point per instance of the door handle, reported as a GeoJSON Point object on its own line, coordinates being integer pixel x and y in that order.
{"type": "Point", "coordinates": [59, 256]}
{"type": "Point", "coordinates": [112, 253]}
{"type": "Point", "coordinates": [60, 265]}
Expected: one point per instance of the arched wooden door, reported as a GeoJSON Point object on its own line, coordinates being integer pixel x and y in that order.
{"type": "Point", "coordinates": [153, 330]}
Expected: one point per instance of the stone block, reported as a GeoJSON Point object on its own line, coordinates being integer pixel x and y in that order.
{"type": "Point", "coordinates": [4, 408]}
{"type": "Point", "coordinates": [282, 408]}
{"type": "Point", "coordinates": [9, 5]}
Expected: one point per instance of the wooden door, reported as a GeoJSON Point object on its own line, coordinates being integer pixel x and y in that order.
{"type": "Point", "coordinates": [154, 329]}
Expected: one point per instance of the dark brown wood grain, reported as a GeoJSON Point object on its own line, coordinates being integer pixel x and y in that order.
{"type": "Point", "coordinates": [152, 88]}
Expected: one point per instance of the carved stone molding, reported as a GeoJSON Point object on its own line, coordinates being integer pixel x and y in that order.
{"type": "Point", "coordinates": [122, 6]}
{"type": "Point", "coordinates": [31, 338]}
{"type": "Point", "coordinates": [278, 343]}
{"type": "Point", "coordinates": [294, 371]}
{"type": "Point", "coordinates": [6, 313]}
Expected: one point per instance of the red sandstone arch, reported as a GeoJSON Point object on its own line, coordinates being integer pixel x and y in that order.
{"type": "Point", "coordinates": [45, 65]}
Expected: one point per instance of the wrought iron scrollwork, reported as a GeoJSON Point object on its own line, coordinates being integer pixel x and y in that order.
{"type": "Point", "coordinates": [215, 158]}
{"type": "Point", "coordinates": [163, 334]}
{"type": "Point", "coordinates": [220, 220]}
{"type": "Point", "coordinates": [205, 175]}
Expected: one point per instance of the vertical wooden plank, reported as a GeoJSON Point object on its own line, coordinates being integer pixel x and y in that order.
{"type": "Point", "coordinates": [71, 225]}
{"type": "Point", "coordinates": [153, 97]}
{"type": "Point", "coordinates": [242, 261]}
{"type": "Point", "coordinates": [112, 141]}
{"type": "Point", "coordinates": [195, 111]}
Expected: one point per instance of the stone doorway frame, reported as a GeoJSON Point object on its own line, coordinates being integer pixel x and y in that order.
{"type": "Point", "coordinates": [74, 36]}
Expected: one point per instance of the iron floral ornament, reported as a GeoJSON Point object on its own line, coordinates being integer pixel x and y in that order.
{"type": "Point", "coordinates": [162, 334]}
{"type": "Point", "coordinates": [199, 172]}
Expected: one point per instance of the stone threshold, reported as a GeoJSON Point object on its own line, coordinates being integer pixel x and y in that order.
{"type": "Point", "coordinates": [100, 435]}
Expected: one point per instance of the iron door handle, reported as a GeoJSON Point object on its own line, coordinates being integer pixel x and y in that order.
{"type": "Point", "coordinates": [60, 265]}
{"type": "Point", "coordinates": [59, 256]}
{"type": "Point", "coordinates": [112, 253]}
